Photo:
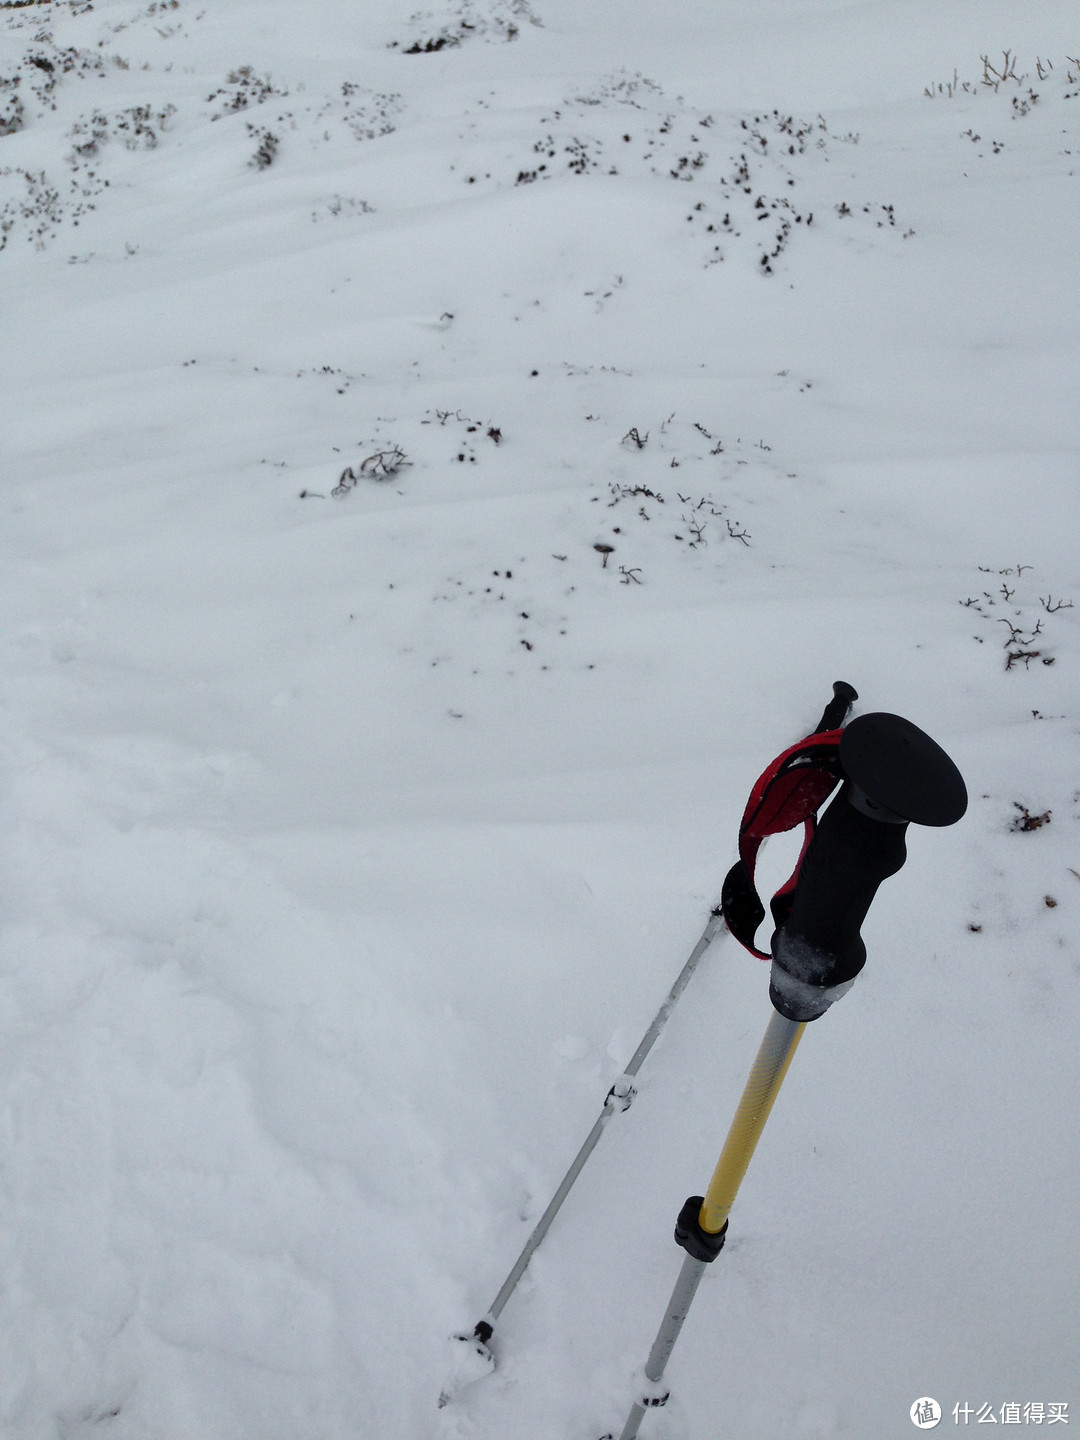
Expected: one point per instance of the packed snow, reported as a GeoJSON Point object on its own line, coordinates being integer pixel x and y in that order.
{"type": "Point", "coordinates": [447, 455]}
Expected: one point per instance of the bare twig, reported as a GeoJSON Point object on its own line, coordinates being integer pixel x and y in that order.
{"type": "Point", "coordinates": [1026, 822]}
{"type": "Point", "coordinates": [379, 466]}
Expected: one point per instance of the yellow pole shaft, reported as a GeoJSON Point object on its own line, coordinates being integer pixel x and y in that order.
{"type": "Point", "coordinates": [766, 1076]}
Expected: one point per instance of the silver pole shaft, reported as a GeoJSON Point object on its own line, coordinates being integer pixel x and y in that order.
{"type": "Point", "coordinates": [682, 1297]}
{"type": "Point", "coordinates": [612, 1104]}
{"type": "Point", "coordinates": [543, 1225]}
{"type": "Point", "coordinates": [648, 1040]}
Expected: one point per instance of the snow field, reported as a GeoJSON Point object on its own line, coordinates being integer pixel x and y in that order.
{"type": "Point", "coordinates": [352, 841]}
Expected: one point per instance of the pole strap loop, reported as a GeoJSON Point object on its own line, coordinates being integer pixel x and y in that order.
{"type": "Point", "coordinates": [788, 793]}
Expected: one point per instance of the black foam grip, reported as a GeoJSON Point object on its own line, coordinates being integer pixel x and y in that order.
{"type": "Point", "coordinates": [849, 856]}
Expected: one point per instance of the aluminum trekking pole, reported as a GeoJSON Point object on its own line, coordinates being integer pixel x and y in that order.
{"type": "Point", "coordinates": [894, 774]}
{"type": "Point", "coordinates": [475, 1358]}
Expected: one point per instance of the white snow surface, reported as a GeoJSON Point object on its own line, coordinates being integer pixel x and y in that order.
{"type": "Point", "coordinates": [352, 841]}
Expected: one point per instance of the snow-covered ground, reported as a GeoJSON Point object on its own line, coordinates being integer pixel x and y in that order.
{"type": "Point", "coordinates": [354, 829]}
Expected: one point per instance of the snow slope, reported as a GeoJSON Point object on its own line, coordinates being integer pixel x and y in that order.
{"type": "Point", "coordinates": [351, 840]}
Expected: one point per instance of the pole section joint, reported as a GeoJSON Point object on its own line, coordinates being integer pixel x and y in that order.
{"type": "Point", "coordinates": [621, 1095]}
{"type": "Point", "coordinates": [702, 1244]}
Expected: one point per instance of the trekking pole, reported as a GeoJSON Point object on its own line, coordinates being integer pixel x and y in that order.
{"type": "Point", "coordinates": [476, 1358]}
{"type": "Point", "coordinates": [894, 774]}
{"type": "Point", "coordinates": [618, 1099]}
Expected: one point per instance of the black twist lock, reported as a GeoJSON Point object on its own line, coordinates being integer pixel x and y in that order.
{"type": "Point", "coordinates": [701, 1244]}
{"type": "Point", "coordinates": [894, 775]}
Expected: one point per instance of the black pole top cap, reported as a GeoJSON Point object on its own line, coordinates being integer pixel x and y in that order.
{"type": "Point", "coordinates": [900, 769]}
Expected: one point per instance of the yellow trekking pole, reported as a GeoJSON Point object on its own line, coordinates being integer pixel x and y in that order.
{"type": "Point", "coordinates": [893, 774]}
{"type": "Point", "coordinates": [800, 789]}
